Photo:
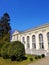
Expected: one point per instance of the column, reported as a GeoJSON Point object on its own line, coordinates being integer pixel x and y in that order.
{"type": "Point", "coordinates": [45, 41]}
{"type": "Point", "coordinates": [37, 41]}
{"type": "Point", "coordinates": [30, 41]}
{"type": "Point", "coordinates": [25, 43]}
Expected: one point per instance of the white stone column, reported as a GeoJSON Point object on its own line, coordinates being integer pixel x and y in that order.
{"type": "Point", "coordinates": [45, 41]}
{"type": "Point", "coordinates": [30, 41]}
{"type": "Point", "coordinates": [25, 43]}
{"type": "Point", "coordinates": [37, 41]}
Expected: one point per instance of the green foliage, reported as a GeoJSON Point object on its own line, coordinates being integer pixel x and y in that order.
{"type": "Point", "coordinates": [43, 55]}
{"type": "Point", "coordinates": [36, 57]}
{"type": "Point", "coordinates": [5, 56]}
{"type": "Point", "coordinates": [16, 49]}
{"type": "Point", "coordinates": [5, 27]}
{"type": "Point", "coordinates": [24, 58]}
{"type": "Point", "coordinates": [31, 59]}
{"type": "Point", "coordinates": [13, 50]}
{"type": "Point", "coordinates": [39, 56]}
{"type": "Point", "coordinates": [13, 58]}
{"type": "Point", "coordinates": [1, 44]}
{"type": "Point", "coordinates": [4, 50]}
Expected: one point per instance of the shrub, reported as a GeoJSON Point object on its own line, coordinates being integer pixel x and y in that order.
{"type": "Point", "coordinates": [31, 59]}
{"type": "Point", "coordinates": [36, 57]}
{"type": "Point", "coordinates": [13, 58]}
{"type": "Point", "coordinates": [24, 58]}
{"type": "Point", "coordinates": [4, 50]}
{"type": "Point", "coordinates": [0, 54]}
{"type": "Point", "coordinates": [43, 55]}
{"type": "Point", "coordinates": [16, 49]}
{"type": "Point", "coordinates": [1, 44]}
{"type": "Point", "coordinates": [39, 56]}
{"type": "Point", "coordinates": [5, 56]}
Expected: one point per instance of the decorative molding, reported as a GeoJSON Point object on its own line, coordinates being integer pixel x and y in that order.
{"type": "Point", "coordinates": [43, 30]}
{"type": "Point", "coordinates": [36, 32]}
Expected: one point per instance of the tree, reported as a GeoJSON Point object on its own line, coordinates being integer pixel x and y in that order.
{"type": "Point", "coordinates": [5, 27]}
{"type": "Point", "coordinates": [4, 50]}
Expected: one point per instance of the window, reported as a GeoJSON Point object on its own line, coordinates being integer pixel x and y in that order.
{"type": "Point", "coordinates": [48, 39]}
{"type": "Point", "coordinates": [14, 37]}
{"type": "Point", "coordinates": [17, 37]}
{"type": "Point", "coordinates": [41, 41]}
{"type": "Point", "coordinates": [28, 40]}
{"type": "Point", "coordinates": [23, 39]}
{"type": "Point", "coordinates": [33, 41]}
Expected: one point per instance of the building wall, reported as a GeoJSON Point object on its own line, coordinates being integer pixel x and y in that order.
{"type": "Point", "coordinates": [42, 30]}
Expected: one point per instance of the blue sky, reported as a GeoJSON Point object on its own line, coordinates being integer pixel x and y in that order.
{"type": "Point", "coordinates": [25, 14]}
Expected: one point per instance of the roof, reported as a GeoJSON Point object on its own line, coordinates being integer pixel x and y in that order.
{"type": "Point", "coordinates": [32, 29]}
{"type": "Point", "coordinates": [36, 28]}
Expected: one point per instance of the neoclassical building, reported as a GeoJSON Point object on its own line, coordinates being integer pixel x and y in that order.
{"type": "Point", "coordinates": [35, 40]}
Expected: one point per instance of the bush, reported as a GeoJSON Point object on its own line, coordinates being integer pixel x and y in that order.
{"type": "Point", "coordinates": [43, 55]}
{"type": "Point", "coordinates": [16, 49]}
{"type": "Point", "coordinates": [39, 56]}
{"type": "Point", "coordinates": [1, 44]}
{"type": "Point", "coordinates": [13, 58]}
{"type": "Point", "coordinates": [0, 54]}
{"type": "Point", "coordinates": [24, 58]}
{"type": "Point", "coordinates": [5, 56]}
{"type": "Point", "coordinates": [4, 50]}
{"type": "Point", "coordinates": [31, 59]}
{"type": "Point", "coordinates": [36, 57]}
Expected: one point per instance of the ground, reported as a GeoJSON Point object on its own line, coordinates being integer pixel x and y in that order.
{"type": "Point", "coordinates": [44, 61]}
{"type": "Point", "coordinates": [9, 62]}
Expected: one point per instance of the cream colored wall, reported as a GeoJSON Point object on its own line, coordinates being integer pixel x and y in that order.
{"type": "Point", "coordinates": [43, 31]}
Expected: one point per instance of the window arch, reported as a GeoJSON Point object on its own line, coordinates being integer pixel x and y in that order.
{"type": "Point", "coordinates": [33, 41]}
{"type": "Point", "coordinates": [48, 39]}
{"type": "Point", "coordinates": [23, 39]}
{"type": "Point", "coordinates": [41, 41]}
{"type": "Point", "coordinates": [28, 41]}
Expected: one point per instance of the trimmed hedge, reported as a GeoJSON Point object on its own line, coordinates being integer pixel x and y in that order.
{"type": "Point", "coordinates": [39, 56]}
{"type": "Point", "coordinates": [31, 59]}
{"type": "Point", "coordinates": [13, 50]}
{"type": "Point", "coordinates": [36, 57]}
{"type": "Point", "coordinates": [43, 55]}
{"type": "Point", "coordinates": [13, 58]}
{"type": "Point", "coordinates": [16, 49]}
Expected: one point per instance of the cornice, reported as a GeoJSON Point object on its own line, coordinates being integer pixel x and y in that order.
{"type": "Point", "coordinates": [37, 28]}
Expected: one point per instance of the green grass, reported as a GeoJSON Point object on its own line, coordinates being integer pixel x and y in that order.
{"type": "Point", "coordinates": [9, 62]}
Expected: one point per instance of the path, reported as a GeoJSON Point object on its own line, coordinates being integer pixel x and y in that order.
{"type": "Point", "coordinates": [44, 61]}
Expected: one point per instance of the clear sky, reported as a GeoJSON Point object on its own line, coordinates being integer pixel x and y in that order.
{"type": "Point", "coordinates": [25, 14]}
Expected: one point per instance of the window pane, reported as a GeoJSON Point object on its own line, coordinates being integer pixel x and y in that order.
{"type": "Point", "coordinates": [48, 39]}
{"type": "Point", "coordinates": [28, 41]}
{"type": "Point", "coordinates": [33, 41]}
{"type": "Point", "coordinates": [48, 36]}
{"type": "Point", "coordinates": [41, 41]}
{"type": "Point", "coordinates": [23, 39]}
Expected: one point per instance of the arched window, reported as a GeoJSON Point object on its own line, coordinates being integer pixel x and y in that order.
{"type": "Point", "coordinates": [23, 39]}
{"type": "Point", "coordinates": [28, 41]}
{"type": "Point", "coordinates": [33, 41]}
{"type": "Point", "coordinates": [48, 39]}
{"type": "Point", "coordinates": [41, 41]}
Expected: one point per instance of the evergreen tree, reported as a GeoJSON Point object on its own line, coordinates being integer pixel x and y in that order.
{"type": "Point", "coordinates": [5, 27]}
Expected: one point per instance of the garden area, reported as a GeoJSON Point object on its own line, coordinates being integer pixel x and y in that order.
{"type": "Point", "coordinates": [13, 53]}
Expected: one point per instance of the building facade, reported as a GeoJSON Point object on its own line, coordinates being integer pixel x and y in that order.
{"type": "Point", "coordinates": [36, 40]}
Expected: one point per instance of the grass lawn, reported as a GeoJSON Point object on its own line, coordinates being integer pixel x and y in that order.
{"type": "Point", "coordinates": [9, 62]}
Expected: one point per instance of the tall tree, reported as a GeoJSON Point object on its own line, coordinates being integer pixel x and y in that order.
{"type": "Point", "coordinates": [5, 27]}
